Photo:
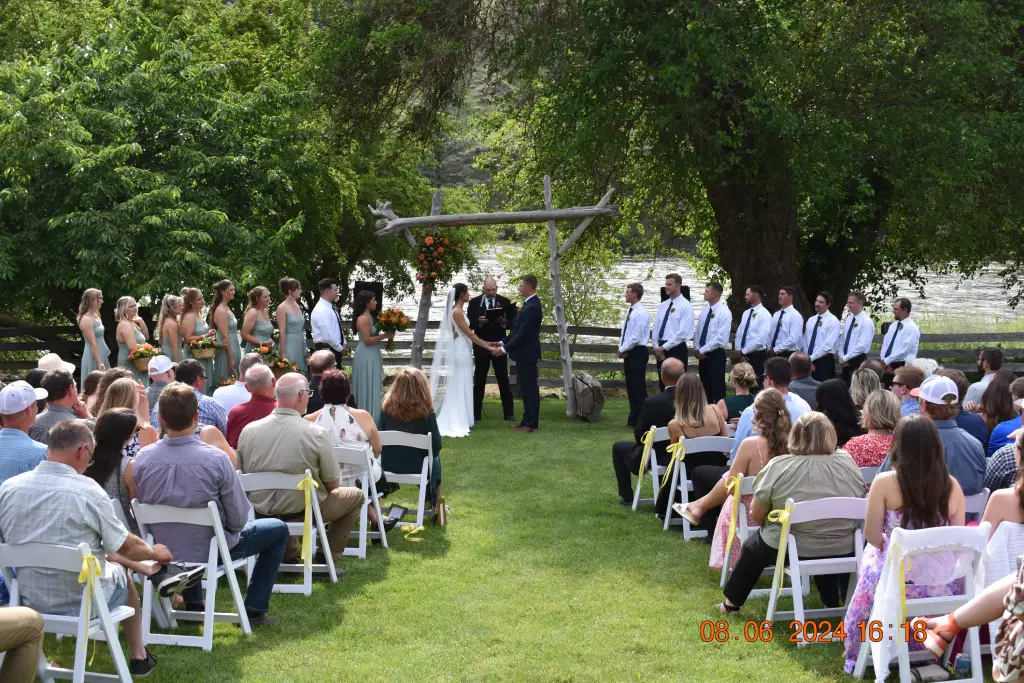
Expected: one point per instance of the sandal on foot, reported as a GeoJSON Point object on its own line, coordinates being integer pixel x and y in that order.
{"type": "Point", "coordinates": [725, 608]}
{"type": "Point", "coordinates": [937, 642]}
{"type": "Point", "coordinates": [681, 510]}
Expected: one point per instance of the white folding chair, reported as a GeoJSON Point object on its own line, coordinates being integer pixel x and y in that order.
{"type": "Point", "coordinates": [423, 443]}
{"type": "Point", "coordinates": [161, 618]}
{"type": "Point", "coordinates": [218, 564]}
{"type": "Point", "coordinates": [651, 467]}
{"type": "Point", "coordinates": [975, 505]}
{"type": "Point", "coordinates": [102, 623]}
{"type": "Point", "coordinates": [868, 474]}
{"type": "Point", "coordinates": [1005, 546]}
{"type": "Point", "coordinates": [356, 461]}
{"type": "Point", "coordinates": [970, 543]}
{"type": "Point", "coordinates": [273, 481]}
{"type": "Point", "coordinates": [801, 570]}
{"type": "Point", "coordinates": [682, 485]}
{"type": "Point", "coordinates": [743, 530]}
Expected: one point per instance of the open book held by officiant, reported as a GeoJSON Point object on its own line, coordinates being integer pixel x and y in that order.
{"type": "Point", "coordinates": [496, 314]}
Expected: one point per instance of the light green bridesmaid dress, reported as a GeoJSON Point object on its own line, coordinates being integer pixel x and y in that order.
{"type": "Point", "coordinates": [186, 353]}
{"type": "Point", "coordinates": [88, 362]}
{"type": "Point", "coordinates": [262, 330]}
{"type": "Point", "coordinates": [295, 341]}
{"type": "Point", "coordinates": [124, 362]}
{"type": "Point", "coordinates": [368, 376]}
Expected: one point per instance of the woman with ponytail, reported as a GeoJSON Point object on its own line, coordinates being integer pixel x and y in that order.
{"type": "Point", "coordinates": [292, 324]}
{"type": "Point", "coordinates": [257, 330]}
{"type": "Point", "coordinates": [168, 329]}
{"type": "Point", "coordinates": [96, 355]}
{"type": "Point", "coordinates": [194, 328]}
{"type": "Point", "coordinates": [229, 353]}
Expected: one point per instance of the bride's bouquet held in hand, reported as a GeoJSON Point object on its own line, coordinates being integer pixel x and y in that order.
{"type": "Point", "coordinates": [392, 320]}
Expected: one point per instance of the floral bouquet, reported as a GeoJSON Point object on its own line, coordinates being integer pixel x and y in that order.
{"type": "Point", "coordinates": [437, 258]}
{"type": "Point", "coordinates": [227, 381]}
{"type": "Point", "coordinates": [141, 355]}
{"type": "Point", "coordinates": [203, 348]}
{"type": "Point", "coordinates": [272, 359]}
{"type": "Point", "coordinates": [392, 320]}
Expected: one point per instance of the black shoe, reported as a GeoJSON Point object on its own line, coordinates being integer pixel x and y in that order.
{"type": "Point", "coordinates": [261, 619]}
{"type": "Point", "coordinates": [390, 522]}
{"type": "Point", "coordinates": [627, 503]}
{"type": "Point", "coordinates": [510, 417]}
{"type": "Point", "coordinates": [141, 667]}
{"type": "Point", "coordinates": [174, 578]}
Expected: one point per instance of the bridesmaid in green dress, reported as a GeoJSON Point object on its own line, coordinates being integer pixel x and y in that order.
{"type": "Point", "coordinates": [131, 332]}
{"type": "Point", "coordinates": [193, 328]}
{"type": "Point", "coordinates": [225, 363]}
{"type": "Point", "coordinates": [95, 355]}
{"type": "Point", "coordinates": [169, 329]}
{"type": "Point", "coordinates": [367, 368]}
{"type": "Point", "coordinates": [292, 324]}
{"type": "Point", "coordinates": [257, 330]}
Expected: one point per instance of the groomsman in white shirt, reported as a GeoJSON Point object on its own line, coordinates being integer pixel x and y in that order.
{"type": "Point", "coordinates": [901, 340]}
{"type": "Point", "coordinates": [787, 328]}
{"type": "Point", "coordinates": [673, 325]}
{"type": "Point", "coordinates": [855, 340]}
{"type": "Point", "coordinates": [821, 332]}
{"type": "Point", "coordinates": [712, 339]}
{"type": "Point", "coordinates": [636, 332]}
{"type": "Point", "coordinates": [326, 322]}
{"type": "Point", "coordinates": [754, 332]}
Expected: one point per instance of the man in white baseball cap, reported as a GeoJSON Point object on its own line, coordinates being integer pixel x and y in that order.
{"type": "Point", "coordinates": [52, 361]}
{"type": "Point", "coordinates": [161, 373]}
{"type": "Point", "coordinates": [18, 452]}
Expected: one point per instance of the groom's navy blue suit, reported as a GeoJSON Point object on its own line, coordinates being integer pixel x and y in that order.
{"type": "Point", "coordinates": [523, 346]}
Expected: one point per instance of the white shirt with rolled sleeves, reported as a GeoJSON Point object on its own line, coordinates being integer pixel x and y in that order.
{"type": "Point", "coordinates": [828, 335]}
{"type": "Point", "coordinates": [326, 325]}
{"type": "Point", "coordinates": [791, 335]}
{"type": "Point", "coordinates": [718, 328]}
{"type": "Point", "coordinates": [908, 338]}
{"type": "Point", "coordinates": [859, 330]}
{"type": "Point", "coordinates": [679, 328]}
{"type": "Point", "coordinates": [745, 427]}
{"type": "Point", "coordinates": [759, 332]}
{"type": "Point", "coordinates": [637, 332]}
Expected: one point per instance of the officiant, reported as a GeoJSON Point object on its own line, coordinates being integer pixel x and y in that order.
{"type": "Point", "coordinates": [490, 327]}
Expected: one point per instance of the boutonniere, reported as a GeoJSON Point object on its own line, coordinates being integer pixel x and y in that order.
{"type": "Point", "coordinates": [855, 323]}
{"type": "Point", "coordinates": [712, 315]}
{"type": "Point", "coordinates": [753, 314]}
{"type": "Point", "coordinates": [819, 322]}
{"type": "Point", "coordinates": [673, 310]}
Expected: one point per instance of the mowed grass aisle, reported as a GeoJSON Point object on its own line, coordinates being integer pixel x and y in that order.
{"type": "Point", "coordinates": [540, 576]}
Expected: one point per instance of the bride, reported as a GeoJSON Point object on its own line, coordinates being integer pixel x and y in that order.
{"type": "Point", "coordinates": [451, 373]}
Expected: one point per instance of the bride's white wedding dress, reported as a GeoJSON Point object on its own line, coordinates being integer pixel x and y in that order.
{"type": "Point", "coordinates": [451, 377]}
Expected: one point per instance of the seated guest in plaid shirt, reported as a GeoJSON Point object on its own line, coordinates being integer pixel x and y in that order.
{"type": "Point", "coordinates": [68, 509]}
{"type": "Point", "coordinates": [191, 372]}
{"type": "Point", "coordinates": [1001, 472]}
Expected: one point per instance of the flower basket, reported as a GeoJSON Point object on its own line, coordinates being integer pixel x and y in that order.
{"type": "Point", "coordinates": [141, 364]}
{"type": "Point", "coordinates": [280, 371]}
{"type": "Point", "coordinates": [203, 354]}
{"type": "Point", "coordinates": [140, 356]}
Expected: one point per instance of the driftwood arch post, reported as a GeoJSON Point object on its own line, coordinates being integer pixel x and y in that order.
{"type": "Point", "coordinates": [389, 223]}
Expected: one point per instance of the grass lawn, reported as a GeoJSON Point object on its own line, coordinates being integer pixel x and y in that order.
{"type": "Point", "coordinates": [540, 576]}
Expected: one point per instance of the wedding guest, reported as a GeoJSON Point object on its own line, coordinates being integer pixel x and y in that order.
{"type": "Point", "coordinates": [95, 355]}
{"type": "Point", "coordinates": [787, 325]}
{"type": "Point", "coordinates": [636, 332]}
{"type": "Point", "coordinates": [211, 413]}
{"type": "Point", "coordinates": [257, 330]}
{"type": "Point", "coordinates": [990, 360]}
{"type": "Point", "coordinates": [802, 384]}
{"type": "Point", "coordinates": [260, 401]}
{"type": "Point", "coordinates": [21, 641]}
{"type": "Point", "coordinates": [712, 508]}
{"type": "Point", "coordinates": [131, 333]}
{"type": "Point", "coordinates": [161, 373]}
{"type": "Point", "coordinates": [110, 376]}
{"type": "Point", "coordinates": [879, 417]}
{"type": "Point", "coordinates": [813, 469]}
{"type": "Point", "coordinates": [194, 328]}
{"type": "Point", "coordinates": [367, 367]}
{"type": "Point", "coordinates": [821, 334]}
{"type": "Point", "coordinates": [34, 378]}
{"type": "Point", "coordinates": [712, 339]}
{"type": "Point", "coordinates": [906, 380]}
{"type": "Point", "coordinates": [220, 318]}
{"type": "Point", "coordinates": [18, 451]}
{"type": "Point", "coordinates": [972, 423]}
{"type": "Point", "coordinates": [326, 321]}
{"type": "Point", "coordinates": [777, 374]}
{"type": "Point", "coordinates": [126, 393]}
{"type": "Point", "coordinates": [62, 404]}
{"type": "Point", "coordinates": [927, 365]}
{"type": "Point", "coordinates": [999, 410]}
{"type": "Point", "coordinates": [111, 464]}
{"type": "Point", "coordinates": [918, 493]}
{"type": "Point", "coordinates": [1002, 467]}
{"type": "Point", "coordinates": [319, 363]}
{"type": "Point", "coordinates": [409, 408]}
{"type": "Point", "coordinates": [875, 366]}
{"type": "Point", "coordinates": [673, 325]}
{"type": "Point", "coordinates": [284, 442]}
{"type": "Point", "coordinates": [855, 340]}
{"type": "Point", "coordinates": [754, 331]}
{"type": "Point", "coordinates": [865, 383]}
{"type": "Point", "coordinates": [742, 380]}
{"type": "Point", "coordinates": [168, 329]}
{"type": "Point", "coordinates": [237, 392]}
{"type": "Point", "coordinates": [1007, 504]}
{"type": "Point", "coordinates": [833, 399]}
{"type": "Point", "coordinates": [1002, 432]}
{"type": "Point", "coordinates": [899, 346]}
{"type": "Point", "coordinates": [90, 388]}
{"type": "Point", "coordinates": [292, 324]}
{"type": "Point", "coordinates": [656, 411]}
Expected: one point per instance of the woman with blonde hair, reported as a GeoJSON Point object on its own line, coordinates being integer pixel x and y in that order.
{"type": "Point", "coordinates": [879, 417]}
{"type": "Point", "coordinates": [108, 378]}
{"type": "Point", "coordinates": [96, 354]}
{"type": "Point", "coordinates": [864, 383]}
{"type": "Point", "coordinates": [257, 330]}
{"type": "Point", "coordinates": [126, 393]}
{"type": "Point", "coordinates": [131, 333]}
{"type": "Point", "coordinates": [771, 427]}
{"type": "Point", "coordinates": [812, 469]}
{"type": "Point", "coordinates": [193, 328]}
{"type": "Point", "coordinates": [743, 381]}
{"type": "Point", "coordinates": [168, 329]}
{"type": "Point", "coordinates": [220, 317]}
{"type": "Point", "coordinates": [409, 408]}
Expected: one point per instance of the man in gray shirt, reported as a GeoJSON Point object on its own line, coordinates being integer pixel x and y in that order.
{"type": "Point", "coordinates": [182, 471]}
{"type": "Point", "coordinates": [62, 403]}
{"type": "Point", "coordinates": [161, 373]}
{"type": "Point", "coordinates": [803, 385]}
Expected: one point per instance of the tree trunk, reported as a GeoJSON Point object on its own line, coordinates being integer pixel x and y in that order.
{"type": "Point", "coordinates": [563, 330]}
{"type": "Point", "coordinates": [419, 333]}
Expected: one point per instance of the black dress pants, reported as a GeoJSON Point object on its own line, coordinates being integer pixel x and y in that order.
{"type": "Point", "coordinates": [825, 368]}
{"type": "Point", "coordinates": [852, 367]}
{"type": "Point", "coordinates": [712, 375]}
{"type": "Point", "coordinates": [484, 359]}
{"type": "Point", "coordinates": [526, 375]}
{"type": "Point", "coordinates": [889, 376]}
{"type": "Point", "coordinates": [756, 556]}
{"type": "Point", "coordinates": [682, 352]}
{"type": "Point", "coordinates": [635, 369]}
{"type": "Point", "coordinates": [756, 360]}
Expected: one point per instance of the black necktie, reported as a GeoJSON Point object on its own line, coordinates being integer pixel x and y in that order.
{"type": "Point", "coordinates": [664, 322]}
{"type": "Point", "coordinates": [814, 336]}
{"type": "Point", "coordinates": [707, 324]}
{"type": "Point", "coordinates": [892, 342]}
{"type": "Point", "coordinates": [849, 333]}
{"type": "Point", "coordinates": [778, 328]}
{"type": "Point", "coordinates": [743, 339]}
{"type": "Point", "coordinates": [625, 325]}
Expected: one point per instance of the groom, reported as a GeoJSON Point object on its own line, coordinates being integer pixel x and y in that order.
{"type": "Point", "coordinates": [523, 346]}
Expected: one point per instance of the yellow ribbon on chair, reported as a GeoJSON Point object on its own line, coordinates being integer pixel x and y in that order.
{"type": "Point", "coordinates": [904, 565]}
{"type": "Point", "coordinates": [88, 574]}
{"type": "Point", "coordinates": [732, 486]}
{"type": "Point", "coordinates": [307, 485]}
{"type": "Point", "coordinates": [411, 531]}
{"type": "Point", "coordinates": [678, 453]}
{"type": "Point", "coordinates": [647, 442]}
{"type": "Point", "coordinates": [780, 517]}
